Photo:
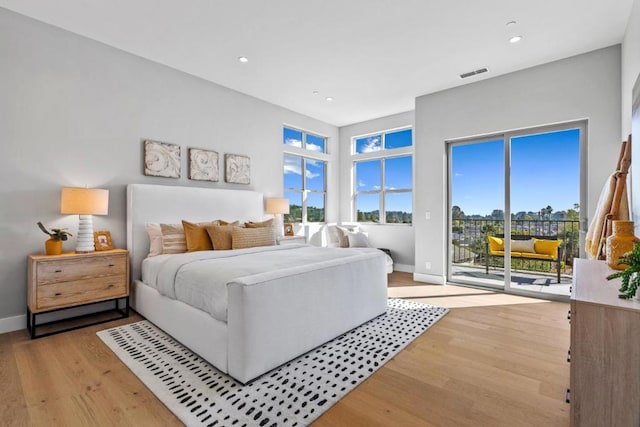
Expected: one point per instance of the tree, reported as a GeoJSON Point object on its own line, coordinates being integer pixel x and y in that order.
{"type": "Point", "coordinates": [497, 214]}
{"type": "Point", "coordinates": [574, 214]}
{"type": "Point", "coordinates": [457, 213]}
{"type": "Point", "coordinates": [546, 212]}
{"type": "Point", "coordinates": [457, 219]}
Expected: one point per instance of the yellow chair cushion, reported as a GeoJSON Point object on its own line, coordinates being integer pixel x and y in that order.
{"type": "Point", "coordinates": [513, 254]}
{"type": "Point", "coordinates": [547, 247]}
{"type": "Point", "coordinates": [537, 256]}
{"type": "Point", "coordinates": [495, 244]}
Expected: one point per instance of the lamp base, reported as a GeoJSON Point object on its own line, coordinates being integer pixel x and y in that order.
{"type": "Point", "coordinates": [84, 241]}
{"type": "Point", "coordinates": [278, 224]}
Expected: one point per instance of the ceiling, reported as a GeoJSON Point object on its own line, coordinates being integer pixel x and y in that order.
{"type": "Point", "coordinates": [372, 56]}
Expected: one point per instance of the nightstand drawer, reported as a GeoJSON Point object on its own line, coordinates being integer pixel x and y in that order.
{"type": "Point", "coordinates": [65, 270]}
{"type": "Point", "coordinates": [80, 291]}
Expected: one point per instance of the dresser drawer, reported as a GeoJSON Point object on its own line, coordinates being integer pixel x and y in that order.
{"type": "Point", "coordinates": [66, 270]}
{"type": "Point", "coordinates": [75, 292]}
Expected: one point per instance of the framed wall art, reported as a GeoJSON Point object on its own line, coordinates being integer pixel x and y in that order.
{"type": "Point", "coordinates": [102, 240]}
{"type": "Point", "coordinates": [237, 169]}
{"type": "Point", "coordinates": [203, 165]}
{"type": "Point", "coordinates": [161, 159]}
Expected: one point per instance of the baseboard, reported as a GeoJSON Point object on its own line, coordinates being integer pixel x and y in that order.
{"type": "Point", "coordinates": [429, 278]}
{"type": "Point", "coordinates": [15, 323]}
{"type": "Point", "coordinates": [405, 268]}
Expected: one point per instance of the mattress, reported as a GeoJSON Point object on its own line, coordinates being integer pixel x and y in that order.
{"type": "Point", "coordinates": [201, 279]}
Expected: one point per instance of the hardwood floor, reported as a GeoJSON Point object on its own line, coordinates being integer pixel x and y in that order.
{"type": "Point", "coordinates": [494, 360]}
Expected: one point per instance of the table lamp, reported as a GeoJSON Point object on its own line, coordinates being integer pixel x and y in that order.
{"type": "Point", "coordinates": [277, 206]}
{"type": "Point", "coordinates": [84, 202]}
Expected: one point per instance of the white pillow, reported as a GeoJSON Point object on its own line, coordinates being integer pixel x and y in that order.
{"type": "Point", "coordinates": [523, 246]}
{"type": "Point", "coordinates": [334, 236]}
{"type": "Point", "coordinates": [358, 240]}
{"type": "Point", "coordinates": [155, 239]}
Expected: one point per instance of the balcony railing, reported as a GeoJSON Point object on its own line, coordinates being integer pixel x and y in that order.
{"type": "Point", "coordinates": [469, 237]}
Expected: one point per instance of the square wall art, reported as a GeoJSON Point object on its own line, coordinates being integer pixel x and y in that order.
{"type": "Point", "coordinates": [237, 169]}
{"type": "Point", "coordinates": [161, 159]}
{"type": "Point", "coordinates": [203, 165]}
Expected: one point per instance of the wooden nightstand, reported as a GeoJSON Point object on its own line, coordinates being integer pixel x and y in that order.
{"type": "Point", "coordinates": [58, 282]}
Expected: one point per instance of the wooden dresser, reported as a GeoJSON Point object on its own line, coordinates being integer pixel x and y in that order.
{"type": "Point", "coordinates": [57, 282]}
{"type": "Point", "coordinates": [605, 350]}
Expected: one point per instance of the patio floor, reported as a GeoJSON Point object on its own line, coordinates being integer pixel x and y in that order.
{"type": "Point", "coordinates": [545, 283]}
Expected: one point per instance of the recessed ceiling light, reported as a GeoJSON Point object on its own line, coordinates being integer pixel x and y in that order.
{"type": "Point", "coordinates": [243, 59]}
{"type": "Point", "coordinates": [329, 98]}
{"type": "Point", "coordinates": [515, 39]}
{"type": "Point", "coordinates": [511, 23]}
{"type": "Point", "coordinates": [315, 92]}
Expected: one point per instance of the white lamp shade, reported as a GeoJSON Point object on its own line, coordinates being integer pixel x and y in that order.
{"type": "Point", "coordinates": [277, 205]}
{"type": "Point", "coordinates": [84, 201]}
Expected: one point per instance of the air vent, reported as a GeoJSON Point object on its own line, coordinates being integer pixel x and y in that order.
{"type": "Point", "coordinates": [473, 73]}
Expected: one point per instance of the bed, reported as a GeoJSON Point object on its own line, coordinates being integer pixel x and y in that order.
{"type": "Point", "coordinates": [269, 317]}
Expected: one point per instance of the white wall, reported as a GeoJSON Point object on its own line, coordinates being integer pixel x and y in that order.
{"type": "Point", "coordinates": [399, 238]}
{"type": "Point", "coordinates": [582, 87]}
{"type": "Point", "coordinates": [73, 112]}
{"type": "Point", "coordinates": [631, 72]}
{"type": "Point", "coordinates": [630, 65]}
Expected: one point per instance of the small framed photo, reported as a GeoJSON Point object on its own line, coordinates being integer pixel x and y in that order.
{"type": "Point", "coordinates": [288, 229]}
{"type": "Point", "coordinates": [102, 240]}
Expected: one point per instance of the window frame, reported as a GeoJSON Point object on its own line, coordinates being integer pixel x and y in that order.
{"type": "Point", "coordinates": [305, 134]}
{"type": "Point", "coordinates": [306, 155]}
{"type": "Point", "coordinates": [381, 155]}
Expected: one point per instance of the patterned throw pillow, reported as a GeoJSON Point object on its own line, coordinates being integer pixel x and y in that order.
{"type": "Point", "coordinates": [252, 237]}
{"type": "Point", "coordinates": [267, 223]}
{"type": "Point", "coordinates": [173, 240]}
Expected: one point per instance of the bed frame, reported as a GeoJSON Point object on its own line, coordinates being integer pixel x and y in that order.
{"type": "Point", "coordinates": [271, 318]}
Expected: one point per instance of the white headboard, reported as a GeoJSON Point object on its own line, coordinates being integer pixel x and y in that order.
{"type": "Point", "coordinates": [170, 205]}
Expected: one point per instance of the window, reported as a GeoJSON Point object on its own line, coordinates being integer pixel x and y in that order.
{"type": "Point", "coordinates": [297, 138]}
{"type": "Point", "coordinates": [305, 175]}
{"type": "Point", "coordinates": [383, 177]}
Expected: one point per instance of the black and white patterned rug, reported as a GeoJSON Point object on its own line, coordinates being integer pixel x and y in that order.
{"type": "Point", "coordinates": [294, 394]}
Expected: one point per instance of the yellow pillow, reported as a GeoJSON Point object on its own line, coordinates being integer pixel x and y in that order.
{"type": "Point", "coordinates": [495, 244]}
{"type": "Point", "coordinates": [196, 235]}
{"type": "Point", "coordinates": [547, 247]}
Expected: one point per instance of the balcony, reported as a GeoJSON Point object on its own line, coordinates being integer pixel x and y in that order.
{"type": "Point", "coordinates": [469, 254]}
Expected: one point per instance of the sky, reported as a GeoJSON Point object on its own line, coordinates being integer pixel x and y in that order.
{"type": "Point", "coordinates": [545, 171]}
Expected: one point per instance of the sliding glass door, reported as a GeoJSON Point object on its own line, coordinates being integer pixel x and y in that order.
{"type": "Point", "coordinates": [526, 186]}
{"type": "Point", "coordinates": [476, 190]}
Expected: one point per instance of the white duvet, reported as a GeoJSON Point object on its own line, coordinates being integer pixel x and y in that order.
{"type": "Point", "coordinates": [200, 279]}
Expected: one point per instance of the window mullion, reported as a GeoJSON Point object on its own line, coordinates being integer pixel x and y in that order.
{"type": "Point", "coordinates": [383, 213]}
